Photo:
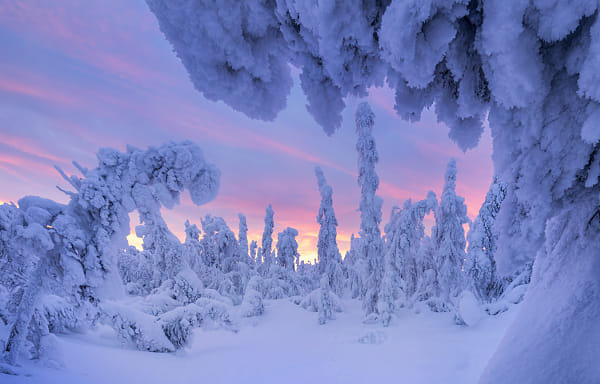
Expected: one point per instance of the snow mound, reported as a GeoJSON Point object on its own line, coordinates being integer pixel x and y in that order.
{"type": "Point", "coordinates": [468, 309]}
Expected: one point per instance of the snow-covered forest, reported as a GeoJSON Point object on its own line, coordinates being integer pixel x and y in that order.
{"type": "Point", "coordinates": [530, 258]}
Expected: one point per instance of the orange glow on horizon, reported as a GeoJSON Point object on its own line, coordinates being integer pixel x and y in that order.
{"type": "Point", "coordinates": [135, 241]}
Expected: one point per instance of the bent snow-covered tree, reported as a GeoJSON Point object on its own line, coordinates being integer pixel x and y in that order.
{"type": "Point", "coordinates": [87, 236]}
{"type": "Point", "coordinates": [483, 242]}
{"type": "Point", "coordinates": [530, 66]}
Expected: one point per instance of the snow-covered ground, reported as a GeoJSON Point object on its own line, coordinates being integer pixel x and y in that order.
{"type": "Point", "coordinates": [286, 345]}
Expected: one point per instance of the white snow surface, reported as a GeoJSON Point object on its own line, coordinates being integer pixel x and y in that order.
{"type": "Point", "coordinates": [415, 348]}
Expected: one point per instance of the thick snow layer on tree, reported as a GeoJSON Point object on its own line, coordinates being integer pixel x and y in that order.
{"type": "Point", "coordinates": [303, 352]}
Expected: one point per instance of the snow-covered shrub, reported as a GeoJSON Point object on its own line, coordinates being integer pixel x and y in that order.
{"type": "Point", "coordinates": [215, 314]}
{"type": "Point", "coordinates": [187, 287]}
{"type": "Point", "coordinates": [252, 304]}
{"type": "Point", "coordinates": [60, 315]}
{"type": "Point", "coordinates": [312, 301]}
{"type": "Point", "coordinates": [326, 302]}
{"type": "Point", "coordinates": [178, 323]}
{"type": "Point", "coordinates": [136, 328]}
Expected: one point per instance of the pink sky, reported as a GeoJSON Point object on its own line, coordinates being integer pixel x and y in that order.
{"type": "Point", "coordinates": [78, 76]}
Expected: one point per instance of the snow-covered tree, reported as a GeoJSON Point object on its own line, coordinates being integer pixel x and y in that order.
{"type": "Point", "coordinates": [482, 239]}
{"type": "Point", "coordinates": [243, 239]}
{"type": "Point", "coordinates": [253, 251]}
{"type": "Point", "coordinates": [165, 248]}
{"type": "Point", "coordinates": [267, 241]}
{"type": "Point", "coordinates": [220, 247]}
{"type": "Point", "coordinates": [287, 248]}
{"type": "Point", "coordinates": [328, 252]}
{"type": "Point", "coordinates": [531, 67]}
{"type": "Point", "coordinates": [88, 236]}
{"type": "Point", "coordinates": [371, 244]}
{"type": "Point", "coordinates": [404, 235]}
{"type": "Point", "coordinates": [326, 302]}
{"type": "Point", "coordinates": [32, 242]}
{"type": "Point", "coordinates": [448, 237]}
{"type": "Point", "coordinates": [192, 248]}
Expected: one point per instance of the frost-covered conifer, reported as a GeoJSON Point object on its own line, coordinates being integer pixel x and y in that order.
{"type": "Point", "coordinates": [220, 247]}
{"type": "Point", "coordinates": [267, 241]}
{"type": "Point", "coordinates": [404, 234]}
{"type": "Point", "coordinates": [327, 249]}
{"type": "Point", "coordinates": [32, 242]}
{"type": "Point", "coordinates": [371, 245]}
{"type": "Point", "coordinates": [192, 248]}
{"type": "Point", "coordinates": [165, 248]}
{"type": "Point", "coordinates": [287, 248]}
{"type": "Point", "coordinates": [326, 302]}
{"type": "Point", "coordinates": [482, 239]}
{"type": "Point", "coordinates": [253, 252]}
{"type": "Point", "coordinates": [448, 237]}
{"type": "Point", "coordinates": [243, 239]}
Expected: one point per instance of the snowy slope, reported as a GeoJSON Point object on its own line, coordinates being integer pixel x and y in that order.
{"type": "Point", "coordinates": [287, 345]}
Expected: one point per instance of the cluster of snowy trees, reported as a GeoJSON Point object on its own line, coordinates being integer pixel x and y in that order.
{"type": "Point", "coordinates": [530, 67]}
{"type": "Point", "coordinates": [68, 267]}
{"type": "Point", "coordinates": [405, 266]}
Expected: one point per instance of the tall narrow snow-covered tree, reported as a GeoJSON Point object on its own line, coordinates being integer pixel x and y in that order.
{"type": "Point", "coordinates": [243, 239]}
{"type": "Point", "coordinates": [267, 241]}
{"type": "Point", "coordinates": [448, 236]}
{"type": "Point", "coordinates": [192, 248]}
{"type": "Point", "coordinates": [482, 238]}
{"type": "Point", "coordinates": [329, 256]}
{"type": "Point", "coordinates": [371, 244]}
{"type": "Point", "coordinates": [287, 248]}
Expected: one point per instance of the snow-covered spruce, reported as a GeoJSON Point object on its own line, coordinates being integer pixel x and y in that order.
{"type": "Point", "coordinates": [267, 242]}
{"type": "Point", "coordinates": [330, 259]}
{"type": "Point", "coordinates": [403, 269]}
{"type": "Point", "coordinates": [287, 249]}
{"type": "Point", "coordinates": [448, 239]}
{"type": "Point", "coordinates": [370, 246]}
